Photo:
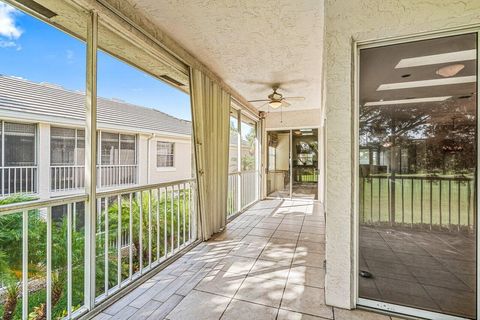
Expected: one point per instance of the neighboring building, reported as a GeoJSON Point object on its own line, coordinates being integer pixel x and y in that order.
{"type": "Point", "coordinates": [43, 138]}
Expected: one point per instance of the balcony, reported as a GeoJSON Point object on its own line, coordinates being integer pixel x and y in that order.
{"type": "Point", "coordinates": [68, 178]}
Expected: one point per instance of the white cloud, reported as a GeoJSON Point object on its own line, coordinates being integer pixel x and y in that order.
{"type": "Point", "coordinates": [8, 27]}
{"type": "Point", "coordinates": [70, 56]}
{"type": "Point", "coordinates": [7, 44]}
{"type": "Point", "coordinates": [10, 44]}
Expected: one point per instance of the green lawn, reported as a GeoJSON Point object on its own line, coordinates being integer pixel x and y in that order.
{"type": "Point", "coordinates": [430, 206]}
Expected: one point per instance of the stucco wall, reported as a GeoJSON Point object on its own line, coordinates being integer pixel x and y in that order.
{"type": "Point", "coordinates": [182, 160]}
{"type": "Point", "coordinates": [293, 119]}
{"type": "Point", "coordinates": [363, 20]}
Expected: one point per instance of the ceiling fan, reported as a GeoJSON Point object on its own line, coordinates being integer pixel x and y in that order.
{"type": "Point", "coordinates": [276, 100]}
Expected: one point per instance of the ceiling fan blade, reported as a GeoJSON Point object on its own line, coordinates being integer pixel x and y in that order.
{"type": "Point", "coordinates": [285, 104]}
{"type": "Point", "coordinates": [263, 106]}
{"type": "Point", "coordinates": [261, 100]}
{"type": "Point", "coordinates": [294, 98]}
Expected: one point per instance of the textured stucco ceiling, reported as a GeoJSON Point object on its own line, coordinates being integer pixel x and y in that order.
{"type": "Point", "coordinates": [251, 44]}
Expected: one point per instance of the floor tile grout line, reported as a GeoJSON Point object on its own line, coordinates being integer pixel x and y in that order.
{"type": "Point", "coordinates": [290, 269]}
{"type": "Point", "coordinates": [236, 291]}
{"type": "Point", "coordinates": [411, 273]}
{"type": "Point", "coordinates": [247, 274]}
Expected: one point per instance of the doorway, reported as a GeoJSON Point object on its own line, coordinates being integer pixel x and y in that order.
{"type": "Point", "coordinates": [292, 164]}
{"type": "Point", "coordinates": [417, 177]}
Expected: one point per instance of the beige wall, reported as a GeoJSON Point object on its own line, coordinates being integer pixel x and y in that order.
{"type": "Point", "coordinates": [363, 20]}
{"type": "Point", "coordinates": [182, 160]}
{"type": "Point", "coordinates": [293, 119]}
{"type": "Point", "coordinates": [283, 152]}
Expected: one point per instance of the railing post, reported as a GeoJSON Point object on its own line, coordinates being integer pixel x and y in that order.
{"type": "Point", "coordinates": [3, 158]}
{"type": "Point", "coordinates": [43, 161]}
{"type": "Point", "coordinates": [90, 160]}
{"type": "Point", "coordinates": [239, 162]}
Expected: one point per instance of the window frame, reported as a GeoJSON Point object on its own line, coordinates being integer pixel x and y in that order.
{"type": "Point", "coordinates": [119, 145]}
{"type": "Point", "coordinates": [3, 135]}
{"type": "Point", "coordinates": [172, 154]}
{"type": "Point", "coordinates": [77, 137]}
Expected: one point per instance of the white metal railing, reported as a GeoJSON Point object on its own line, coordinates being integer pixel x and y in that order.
{"type": "Point", "coordinates": [242, 191]}
{"type": "Point", "coordinates": [249, 188]}
{"type": "Point", "coordinates": [67, 177]}
{"type": "Point", "coordinates": [61, 263]}
{"type": "Point", "coordinates": [136, 229]}
{"type": "Point", "coordinates": [72, 177]}
{"type": "Point", "coordinates": [232, 198]}
{"type": "Point", "coordinates": [116, 175]}
{"type": "Point", "coordinates": [20, 179]}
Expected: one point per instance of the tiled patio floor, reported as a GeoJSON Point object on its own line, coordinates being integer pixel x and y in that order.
{"type": "Point", "coordinates": [424, 269]}
{"type": "Point", "coordinates": [268, 264]}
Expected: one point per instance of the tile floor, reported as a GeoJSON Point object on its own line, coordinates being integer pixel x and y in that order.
{"type": "Point", "coordinates": [426, 269]}
{"type": "Point", "coordinates": [268, 264]}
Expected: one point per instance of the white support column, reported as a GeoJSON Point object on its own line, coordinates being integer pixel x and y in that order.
{"type": "Point", "coordinates": [143, 161]}
{"type": "Point", "coordinates": [91, 159]}
{"type": "Point", "coordinates": [264, 155]}
{"type": "Point", "coordinates": [321, 163]}
{"type": "Point", "coordinates": [258, 154]}
{"type": "Point", "coordinates": [239, 161]}
{"type": "Point", "coordinates": [43, 161]}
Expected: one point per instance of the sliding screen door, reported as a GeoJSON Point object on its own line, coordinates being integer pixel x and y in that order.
{"type": "Point", "coordinates": [417, 177]}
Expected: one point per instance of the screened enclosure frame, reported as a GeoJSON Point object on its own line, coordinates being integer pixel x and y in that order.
{"type": "Point", "coordinates": [357, 46]}
{"type": "Point", "coordinates": [173, 191]}
{"type": "Point", "coordinates": [243, 197]}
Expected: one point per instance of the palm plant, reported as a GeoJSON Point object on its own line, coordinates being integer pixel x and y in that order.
{"type": "Point", "coordinates": [11, 300]}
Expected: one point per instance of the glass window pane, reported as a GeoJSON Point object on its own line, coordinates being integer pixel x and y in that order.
{"type": "Point", "coordinates": [42, 87]}
{"type": "Point", "coordinates": [233, 150]}
{"type": "Point", "coordinates": [249, 144]}
{"type": "Point", "coordinates": [248, 148]}
{"type": "Point", "coordinates": [165, 154]}
{"type": "Point", "coordinates": [417, 177]}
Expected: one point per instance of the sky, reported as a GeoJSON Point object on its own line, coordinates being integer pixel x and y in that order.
{"type": "Point", "coordinates": [36, 51]}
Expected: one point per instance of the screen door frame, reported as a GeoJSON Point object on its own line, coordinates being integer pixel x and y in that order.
{"type": "Point", "coordinates": [357, 46]}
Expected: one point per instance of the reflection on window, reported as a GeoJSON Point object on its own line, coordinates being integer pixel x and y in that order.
{"type": "Point", "coordinates": [364, 157]}
{"type": "Point", "coordinates": [417, 175]}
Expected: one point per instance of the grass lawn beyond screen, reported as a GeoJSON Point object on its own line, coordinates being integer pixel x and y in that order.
{"type": "Point", "coordinates": [437, 201]}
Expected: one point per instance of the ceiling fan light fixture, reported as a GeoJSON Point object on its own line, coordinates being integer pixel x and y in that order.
{"type": "Point", "coordinates": [451, 70]}
{"type": "Point", "coordinates": [275, 104]}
